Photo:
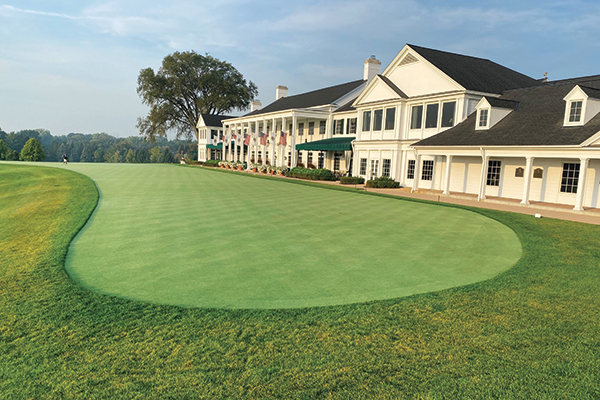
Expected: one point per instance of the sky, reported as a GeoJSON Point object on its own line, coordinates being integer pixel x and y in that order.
{"type": "Point", "coordinates": [72, 66]}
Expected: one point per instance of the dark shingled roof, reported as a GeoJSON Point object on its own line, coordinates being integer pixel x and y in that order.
{"type": "Point", "coordinates": [476, 73]}
{"type": "Point", "coordinates": [537, 122]}
{"type": "Point", "coordinates": [214, 120]}
{"type": "Point", "coordinates": [315, 98]}
{"type": "Point", "coordinates": [393, 86]}
{"type": "Point", "coordinates": [591, 92]}
{"type": "Point", "coordinates": [501, 103]}
{"type": "Point", "coordinates": [347, 106]}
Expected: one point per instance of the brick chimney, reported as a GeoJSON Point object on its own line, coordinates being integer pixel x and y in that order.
{"type": "Point", "coordinates": [281, 91]}
{"type": "Point", "coordinates": [372, 68]}
{"type": "Point", "coordinates": [255, 105]}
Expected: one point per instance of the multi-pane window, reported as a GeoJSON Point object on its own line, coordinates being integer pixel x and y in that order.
{"type": "Point", "coordinates": [339, 126]}
{"type": "Point", "coordinates": [321, 160]}
{"type": "Point", "coordinates": [575, 112]}
{"type": "Point", "coordinates": [493, 173]}
{"type": "Point", "coordinates": [374, 168]}
{"type": "Point", "coordinates": [311, 128]}
{"type": "Point", "coordinates": [352, 126]}
{"type": "Point", "coordinates": [299, 157]}
{"type": "Point", "coordinates": [570, 178]}
{"type": "Point", "coordinates": [309, 159]}
{"type": "Point", "coordinates": [321, 127]}
{"type": "Point", "coordinates": [336, 161]}
{"type": "Point", "coordinates": [386, 167]}
{"type": "Point", "coordinates": [390, 117]}
{"type": "Point", "coordinates": [290, 130]}
{"type": "Point", "coordinates": [432, 115]}
{"type": "Point", "coordinates": [416, 117]}
{"type": "Point", "coordinates": [377, 118]}
{"type": "Point", "coordinates": [366, 121]}
{"type": "Point", "coordinates": [483, 118]}
{"type": "Point", "coordinates": [363, 166]}
{"type": "Point", "coordinates": [301, 128]}
{"type": "Point", "coordinates": [448, 110]}
{"type": "Point", "coordinates": [289, 157]}
{"type": "Point", "coordinates": [410, 172]}
{"type": "Point", "coordinates": [427, 174]}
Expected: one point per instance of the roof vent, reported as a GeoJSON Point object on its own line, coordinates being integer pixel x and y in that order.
{"type": "Point", "coordinates": [408, 59]}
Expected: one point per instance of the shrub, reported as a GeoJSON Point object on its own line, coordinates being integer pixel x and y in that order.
{"type": "Point", "coordinates": [312, 174]}
{"type": "Point", "coordinates": [383, 182]}
{"type": "Point", "coordinates": [352, 180]}
{"type": "Point", "coordinates": [211, 163]}
{"type": "Point", "coordinates": [194, 162]}
{"type": "Point", "coordinates": [33, 151]}
{"type": "Point", "coordinates": [311, 166]}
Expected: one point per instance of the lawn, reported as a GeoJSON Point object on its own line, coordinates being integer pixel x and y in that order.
{"type": "Point", "coordinates": [198, 237]}
{"type": "Point", "coordinates": [531, 332]}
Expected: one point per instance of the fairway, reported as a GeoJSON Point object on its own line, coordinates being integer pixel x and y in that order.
{"type": "Point", "coordinates": [196, 237]}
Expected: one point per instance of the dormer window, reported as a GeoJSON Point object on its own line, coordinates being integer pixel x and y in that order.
{"type": "Point", "coordinates": [575, 111]}
{"type": "Point", "coordinates": [483, 118]}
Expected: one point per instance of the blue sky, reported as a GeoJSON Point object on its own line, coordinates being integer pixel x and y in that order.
{"type": "Point", "coordinates": [72, 66]}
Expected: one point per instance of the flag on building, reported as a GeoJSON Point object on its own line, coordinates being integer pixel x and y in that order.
{"type": "Point", "coordinates": [263, 139]}
{"type": "Point", "coordinates": [246, 139]}
{"type": "Point", "coordinates": [282, 139]}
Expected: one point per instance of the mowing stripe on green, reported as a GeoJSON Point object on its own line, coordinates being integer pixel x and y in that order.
{"type": "Point", "coordinates": [197, 237]}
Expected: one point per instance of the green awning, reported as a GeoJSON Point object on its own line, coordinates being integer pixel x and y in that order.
{"type": "Point", "coordinates": [220, 146]}
{"type": "Point", "coordinates": [336, 143]}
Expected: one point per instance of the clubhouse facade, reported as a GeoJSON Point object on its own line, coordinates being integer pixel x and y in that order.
{"type": "Point", "coordinates": [433, 120]}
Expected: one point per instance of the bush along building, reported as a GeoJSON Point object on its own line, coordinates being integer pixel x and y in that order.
{"type": "Point", "coordinates": [439, 121]}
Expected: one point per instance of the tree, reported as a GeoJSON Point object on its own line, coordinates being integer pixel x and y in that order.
{"type": "Point", "coordinates": [187, 85]}
{"type": "Point", "coordinates": [33, 151]}
{"type": "Point", "coordinates": [155, 154]}
{"type": "Point", "coordinates": [130, 157]}
{"type": "Point", "coordinates": [86, 154]}
{"type": "Point", "coordinates": [3, 150]}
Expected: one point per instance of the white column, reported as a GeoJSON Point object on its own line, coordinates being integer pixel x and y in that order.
{"type": "Point", "coordinates": [527, 180]}
{"type": "Point", "coordinates": [294, 159]}
{"type": "Point", "coordinates": [329, 126]}
{"type": "Point", "coordinates": [235, 150]}
{"type": "Point", "coordinates": [224, 154]}
{"type": "Point", "coordinates": [282, 148]}
{"type": "Point", "coordinates": [483, 177]}
{"type": "Point", "coordinates": [581, 184]}
{"type": "Point", "coordinates": [417, 172]}
{"type": "Point", "coordinates": [447, 174]}
{"type": "Point", "coordinates": [242, 145]}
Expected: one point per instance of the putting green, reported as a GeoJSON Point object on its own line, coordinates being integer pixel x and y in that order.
{"type": "Point", "coordinates": [196, 237]}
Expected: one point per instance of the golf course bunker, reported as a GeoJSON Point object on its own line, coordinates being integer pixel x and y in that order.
{"type": "Point", "coordinates": [196, 237]}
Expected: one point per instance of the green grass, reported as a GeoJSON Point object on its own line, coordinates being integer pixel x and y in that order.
{"type": "Point", "coordinates": [530, 333]}
{"type": "Point", "coordinates": [197, 237]}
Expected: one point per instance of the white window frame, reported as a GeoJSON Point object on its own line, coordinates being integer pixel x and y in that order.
{"type": "Point", "coordinates": [478, 125]}
{"type": "Point", "coordinates": [568, 121]}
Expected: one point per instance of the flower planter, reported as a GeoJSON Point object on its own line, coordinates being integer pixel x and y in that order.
{"type": "Point", "coordinates": [240, 168]}
{"type": "Point", "coordinates": [228, 167]}
{"type": "Point", "coordinates": [272, 172]}
{"type": "Point", "coordinates": [253, 169]}
{"type": "Point", "coordinates": [281, 174]}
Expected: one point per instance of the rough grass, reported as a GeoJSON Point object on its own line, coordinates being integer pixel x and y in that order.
{"type": "Point", "coordinates": [530, 333]}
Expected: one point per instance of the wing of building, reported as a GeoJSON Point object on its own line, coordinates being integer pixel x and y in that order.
{"type": "Point", "coordinates": [439, 121]}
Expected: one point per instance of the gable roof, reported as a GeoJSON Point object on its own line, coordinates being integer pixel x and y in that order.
{"type": "Point", "coordinates": [315, 98]}
{"type": "Point", "coordinates": [393, 86]}
{"type": "Point", "coordinates": [591, 92]}
{"type": "Point", "coordinates": [502, 103]}
{"type": "Point", "coordinates": [539, 121]}
{"type": "Point", "coordinates": [474, 73]}
{"type": "Point", "coordinates": [347, 107]}
{"type": "Point", "coordinates": [214, 120]}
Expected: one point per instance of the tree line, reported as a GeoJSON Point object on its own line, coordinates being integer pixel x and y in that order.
{"type": "Point", "coordinates": [97, 147]}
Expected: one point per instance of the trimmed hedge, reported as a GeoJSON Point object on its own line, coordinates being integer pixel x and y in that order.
{"type": "Point", "coordinates": [312, 174]}
{"type": "Point", "coordinates": [383, 182]}
{"type": "Point", "coordinates": [352, 180]}
{"type": "Point", "coordinates": [192, 162]}
{"type": "Point", "coordinates": [211, 163]}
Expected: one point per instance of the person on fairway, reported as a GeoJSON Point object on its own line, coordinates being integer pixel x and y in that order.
{"type": "Point", "coordinates": [65, 159]}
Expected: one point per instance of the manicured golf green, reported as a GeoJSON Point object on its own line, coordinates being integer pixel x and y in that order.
{"type": "Point", "coordinates": [197, 237]}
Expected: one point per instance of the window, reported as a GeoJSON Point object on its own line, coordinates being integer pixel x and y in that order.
{"type": "Point", "coordinates": [309, 159]}
{"type": "Point", "coordinates": [483, 118]}
{"type": "Point", "coordinates": [448, 110]}
{"type": "Point", "coordinates": [301, 128]}
{"type": "Point", "coordinates": [311, 128]}
{"type": "Point", "coordinates": [366, 121]}
{"type": "Point", "coordinates": [575, 112]}
{"type": "Point", "coordinates": [493, 173]}
{"type": "Point", "coordinates": [321, 160]}
{"type": "Point", "coordinates": [374, 168]}
{"type": "Point", "coordinates": [336, 161]}
{"type": "Point", "coordinates": [538, 173]}
{"type": "Point", "coordinates": [289, 158]}
{"type": "Point", "coordinates": [432, 115]}
{"type": "Point", "coordinates": [390, 117]}
{"type": "Point", "coordinates": [352, 125]}
{"type": "Point", "coordinates": [427, 174]}
{"type": "Point", "coordinates": [519, 172]}
{"type": "Point", "coordinates": [416, 118]}
{"type": "Point", "coordinates": [299, 157]}
{"type": "Point", "coordinates": [377, 117]}
{"type": "Point", "coordinates": [339, 126]}
{"type": "Point", "coordinates": [410, 173]}
{"type": "Point", "coordinates": [290, 130]}
{"type": "Point", "coordinates": [363, 166]}
{"type": "Point", "coordinates": [322, 127]}
{"type": "Point", "coordinates": [570, 178]}
{"type": "Point", "coordinates": [386, 167]}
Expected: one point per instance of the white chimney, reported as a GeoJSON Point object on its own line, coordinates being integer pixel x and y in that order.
{"type": "Point", "coordinates": [372, 68]}
{"type": "Point", "coordinates": [255, 105]}
{"type": "Point", "coordinates": [280, 91]}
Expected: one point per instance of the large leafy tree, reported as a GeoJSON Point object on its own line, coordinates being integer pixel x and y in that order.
{"type": "Point", "coordinates": [33, 151]}
{"type": "Point", "coordinates": [187, 85]}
